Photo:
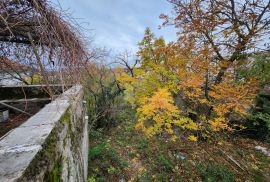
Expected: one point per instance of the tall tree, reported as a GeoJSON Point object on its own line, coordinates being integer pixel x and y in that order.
{"type": "Point", "coordinates": [230, 28]}
{"type": "Point", "coordinates": [168, 88]}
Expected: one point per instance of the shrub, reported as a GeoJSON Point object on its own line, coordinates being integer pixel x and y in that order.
{"type": "Point", "coordinates": [97, 151]}
{"type": "Point", "coordinates": [142, 144]}
{"type": "Point", "coordinates": [213, 173]}
{"type": "Point", "coordinates": [163, 163]}
{"type": "Point", "coordinates": [258, 125]}
{"type": "Point", "coordinates": [104, 161]}
{"type": "Point", "coordinates": [91, 179]}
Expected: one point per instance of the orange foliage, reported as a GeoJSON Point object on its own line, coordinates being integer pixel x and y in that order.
{"type": "Point", "coordinates": [169, 73]}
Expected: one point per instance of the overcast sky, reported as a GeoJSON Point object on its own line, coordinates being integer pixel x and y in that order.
{"type": "Point", "coordinates": [119, 24]}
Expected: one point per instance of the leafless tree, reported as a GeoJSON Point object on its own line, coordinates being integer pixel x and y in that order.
{"type": "Point", "coordinates": [34, 34]}
{"type": "Point", "coordinates": [127, 61]}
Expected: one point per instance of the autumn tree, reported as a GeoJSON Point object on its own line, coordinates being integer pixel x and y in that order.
{"type": "Point", "coordinates": [231, 28]}
{"type": "Point", "coordinates": [231, 31]}
{"type": "Point", "coordinates": [151, 86]}
{"type": "Point", "coordinates": [174, 86]}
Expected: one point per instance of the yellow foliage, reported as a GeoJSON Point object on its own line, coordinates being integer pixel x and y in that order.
{"type": "Point", "coordinates": [159, 114]}
{"type": "Point", "coordinates": [35, 79]}
{"type": "Point", "coordinates": [185, 73]}
{"type": "Point", "coordinates": [218, 124]}
{"type": "Point", "coordinates": [186, 123]}
{"type": "Point", "coordinates": [192, 138]}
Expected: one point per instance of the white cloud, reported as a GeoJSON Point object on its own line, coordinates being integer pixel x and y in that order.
{"type": "Point", "coordinates": [120, 24]}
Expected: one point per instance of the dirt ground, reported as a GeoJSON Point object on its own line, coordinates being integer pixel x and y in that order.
{"type": "Point", "coordinates": [14, 121]}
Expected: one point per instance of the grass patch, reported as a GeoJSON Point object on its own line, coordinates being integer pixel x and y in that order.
{"type": "Point", "coordinates": [213, 173]}
{"type": "Point", "coordinates": [105, 162]}
{"type": "Point", "coordinates": [124, 153]}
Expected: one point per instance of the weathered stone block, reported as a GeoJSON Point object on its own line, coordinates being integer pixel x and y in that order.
{"type": "Point", "coordinates": [51, 145]}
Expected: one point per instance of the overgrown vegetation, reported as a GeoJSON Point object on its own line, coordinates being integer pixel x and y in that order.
{"type": "Point", "coordinates": [122, 152]}
{"type": "Point", "coordinates": [103, 95]}
{"type": "Point", "coordinates": [213, 173]}
{"type": "Point", "coordinates": [258, 126]}
{"type": "Point", "coordinates": [189, 110]}
{"type": "Point", "coordinates": [40, 44]}
{"type": "Point", "coordinates": [179, 111]}
{"type": "Point", "coordinates": [166, 91]}
{"type": "Point", "coordinates": [260, 68]}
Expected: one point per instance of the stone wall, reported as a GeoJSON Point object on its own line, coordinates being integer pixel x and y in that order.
{"type": "Point", "coordinates": [51, 146]}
